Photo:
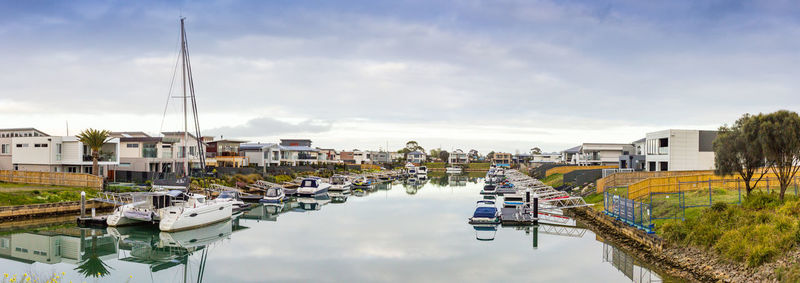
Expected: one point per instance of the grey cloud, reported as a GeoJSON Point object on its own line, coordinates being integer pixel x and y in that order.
{"type": "Point", "coordinates": [266, 126]}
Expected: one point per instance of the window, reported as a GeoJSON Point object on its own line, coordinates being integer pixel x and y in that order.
{"type": "Point", "coordinates": [40, 145]}
{"type": "Point", "coordinates": [72, 169]}
{"type": "Point", "coordinates": [6, 148]}
{"type": "Point", "coordinates": [149, 151]}
{"type": "Point", "coordinates": [22, 145]}
{"type": "Point", "coordinates": [132, 145]}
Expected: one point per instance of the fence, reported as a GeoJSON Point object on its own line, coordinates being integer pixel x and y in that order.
{"type": "Point", "coordinates": [632, 212]}
{"type": "Point", "coordinates": [627, 178]}
{"type": "Point", "coordinates": [567, 169]}
{"type": "Point", "coordinates": [52, 178]}
{"type": "Point", "coordinates": [698, 182]}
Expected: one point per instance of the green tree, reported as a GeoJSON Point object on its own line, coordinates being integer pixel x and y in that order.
{"type": "Point", "coordinates": [737, 150]}
{"type": "Point", "coordinates": [779, 135]}
{"type": "Point", "coordinates": [94, 139]}
{"type": "Point", "coordinates": [536, 150]}
{"type": "Point", "coordinates": [444, 155]}
{"type": "Point", "coordinates": [490, 155]}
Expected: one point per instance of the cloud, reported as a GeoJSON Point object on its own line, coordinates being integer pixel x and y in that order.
{"type": "Point", "coordinates": [266, 126]}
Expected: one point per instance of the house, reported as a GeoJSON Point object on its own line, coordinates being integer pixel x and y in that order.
{"type": "Point", "coordinates": [416, 157]}
{"type": "Point", "coordinates": [225, 153]}
{"type": "Point", "coordinates": [330, 154]}
{"type": "Point", "coordinates": [380, 157]}
{"type": "Point", "coordinates": [347, 157]}
{"type": "Point", "coordinates": [139, 152]}
{"type": "Point", "coordinates": [6, 147]}
{"type": "Point", "coordinates": [569, 155]}
{"type": "Point", "coordinates": [262, 154]}
{"type": "Point", "coordinates": [546, 158]}
{"type": "Point", "coordinates": [521, 157]}
{"type": "Point", "coordinates": [600, 153]}
{"type": "Point", "coordinates": [502, 158]}
{"type": "Point", "coordinates": [636, 159]}
{"type": "Point", "coordinates": [458, 157]}
{"type": "Point", "coordinates": [679, 150]}
{"type": "Point", "coordinates": [296, 152]}
{"type": "Point", "coordinates": [190, 142]}
{"type": "Point", "coordinates": [61, 154]}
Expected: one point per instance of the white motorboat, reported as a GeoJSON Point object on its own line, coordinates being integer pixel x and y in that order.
{"type": "Point", "coordinates": [313, 186]}
{"type": "Point", "coordinates": [193, 210]}
{"type": "Point", "coordinates": [235, 198]}
{"type": "Point", "coordinates": [485, 212]}
{"type": "Point", "coordinates": [422, 170]}
{"type": "Point", "coordinates": [340, 183]}
{"type": "Point", "coordinates": [274, 195]}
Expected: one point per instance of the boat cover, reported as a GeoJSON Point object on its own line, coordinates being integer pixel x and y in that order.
{"type": "Point", "coordinates": [485, 212]}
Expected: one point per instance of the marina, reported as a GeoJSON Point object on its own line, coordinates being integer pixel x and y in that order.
{"type": "Point", "coordinates": [429, 238]}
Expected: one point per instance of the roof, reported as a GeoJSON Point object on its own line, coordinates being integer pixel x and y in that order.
{"type": "Point", "coordinates": [575, 149]}
{"type": "Point", "coordinates": [308, 140]}
{"type": "Point", "coordinates": [176, 134]}
{"type": "Point", "coordinates": [298, 148]}
{"type": "Point", "coordinates": [129, 134]}
{"type": "Point", "coordinates": [228, 141]}
{"type": "Point", "coordinates": [416, 152]}
{"type": "Point", "coordinates": [640, 140]}
{"type": "Point", "coordinates": [23, 129]}
{"type": "Point", "coordinates": [255, 146]}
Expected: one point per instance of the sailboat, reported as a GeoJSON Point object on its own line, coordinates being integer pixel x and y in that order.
{"type": "Point", "coordinates": [192, 210]}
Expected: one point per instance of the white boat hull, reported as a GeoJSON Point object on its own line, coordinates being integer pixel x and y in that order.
{"type": "Point", "coordinates": [176, 218]}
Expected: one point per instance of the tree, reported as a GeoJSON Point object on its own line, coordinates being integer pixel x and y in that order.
{"type": "Point", "coordinates": [738, 150]}
{"type": "Point", "coordinates": [779, 136]}
{"type": "Point", "coordinates": [490, 155]}
{"type": "Point", "coordinates": [94, 139]}
{"type": "Point", "coordinates": [536, 150]}
{"type": "Point", "coordinates": [444, 155]}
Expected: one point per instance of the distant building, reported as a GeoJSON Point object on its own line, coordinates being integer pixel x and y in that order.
{"type": "Point", "coordinates": [416, 157]}
{"type": "Point", "coordinates": [61, 154]}
{"type": "Point", "coordinates": [380, 157]}
{"type": "Point", "coordinates": [636, 159]}
{"type": "Point", "coordinates": [598, 153]}
{"type": "Point", "coordinates": [458, 157]}
{"type": "Point", "coordinates": [347, 157]}
{"type": "Point", "coordinates": [330, 154]}
{"type": "Point", "coordinates": [139, 152]}
{"type": "Point", "coordinates": [262, 154]}
{"type": "Point", "coordinates": [502, 158]}
{"type": "Point", "coordinates": [225, 153]}
{"type": "Point", "coordinates": [521, 157]}
{"type": "Point", "coordinates": [680, 150]}
{"type": "Point", "coordinates": [569, 155]}
{"type": "Point", "coordinates": [546, 158]}
{"type": "Point", "coordinates": [187, 149]}
{"type": "Point", "coordinates": [296, 152]}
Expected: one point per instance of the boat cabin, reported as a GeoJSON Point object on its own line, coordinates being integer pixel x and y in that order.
{"type": "Point", "coordinates": [338, 180]}
{"type": "Point", "coordinates": [310, 183]}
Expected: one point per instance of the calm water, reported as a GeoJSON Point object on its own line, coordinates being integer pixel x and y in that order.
{"type": "Point", "coordinates": [396, 233]}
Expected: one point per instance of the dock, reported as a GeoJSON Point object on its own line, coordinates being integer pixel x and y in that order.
{"type": "Point", "coordinates": [531, 211]}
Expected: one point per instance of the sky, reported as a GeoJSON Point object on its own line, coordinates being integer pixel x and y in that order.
{"type": "Point", "coordinates": [501, 75]}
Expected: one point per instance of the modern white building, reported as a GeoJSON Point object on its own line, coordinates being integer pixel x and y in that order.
{"type": "Point", "coordinates": [680, 150]}
{"type": "Point", "coordinates": [181, 148]}
{"type": "Point", "coordinates": [598, 153]}
{"type": "Point", "coordinates": [262, 154]}
{"type": "Point", "coordinates": [416, 157]}
{"type": "Point", "coordinates": [61, 154]}
{"type": "Point", "coordinates": [6, 147]}
{"type": "Point", "coordinates": [546, 158]}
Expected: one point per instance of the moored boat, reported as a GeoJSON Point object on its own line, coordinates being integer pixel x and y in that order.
{"type": "Point", "coordinates": [485, 212]}
{"type": "Point", "coordinates": [193, 210]}
{"type": "Point", "coordinates": [274, 195]}
{"type": "Point", "coordinates": [313, 186]}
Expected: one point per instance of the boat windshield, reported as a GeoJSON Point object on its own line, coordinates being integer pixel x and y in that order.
{"type": "Point", "coordinates": [309, 183]}
{"type": "Point", "coordinates": [226, 195]}
{"type": "Point", "coordinates": [272, 192]}
{"type": "Point", "coordinates": [337, 180]}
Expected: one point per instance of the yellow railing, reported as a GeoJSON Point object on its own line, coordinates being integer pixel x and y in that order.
{"type": "Point", "coordinates": [567, 169]}
{"type": "Point", "coordinates": [624, 179]}
{"type": "Point", "coordinates": [671, 184]}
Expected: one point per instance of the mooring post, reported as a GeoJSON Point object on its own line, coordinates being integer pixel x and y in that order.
{"type": "Point", "coordinates": [83, 204]}
{"type": "Point", "coordinates": [535, 236]}
{"type": "Point", "coordinates": [535, 210]}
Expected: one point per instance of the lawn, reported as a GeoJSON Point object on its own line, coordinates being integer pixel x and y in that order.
{"type": "Point", "coordinates": [555, 180]}
{"type": "Point", "coordinates": [20, 194]}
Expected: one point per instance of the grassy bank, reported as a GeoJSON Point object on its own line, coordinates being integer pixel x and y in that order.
{"type": "Point", "coordinates": [756, 232]}
{"type": "Point", "coordinates": [554, 180]}
{"type": "Point", "coordinates": [20, 194]}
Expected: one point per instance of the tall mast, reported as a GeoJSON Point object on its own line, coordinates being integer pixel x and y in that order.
{"type": "Point", "coordinates": [185, 113]}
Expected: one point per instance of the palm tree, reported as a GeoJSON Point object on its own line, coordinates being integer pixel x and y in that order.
{"type": "Point", "coordinates": [95, 139]}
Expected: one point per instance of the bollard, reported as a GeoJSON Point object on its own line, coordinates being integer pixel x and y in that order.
{"type": "Point", "coordinates": [535, 209]}
{"type": "Point", "coordinates": [535, 236]}
{"type": "Point", "coordinates": [83, 204]}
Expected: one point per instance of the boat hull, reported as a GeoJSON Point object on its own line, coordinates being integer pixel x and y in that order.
{"type": "Point", "coordinates": [184, 218]}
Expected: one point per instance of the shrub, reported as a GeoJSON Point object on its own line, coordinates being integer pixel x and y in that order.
{"type": "Point", "coordinates": [760, 255]}
{"type": "Point", "coordinates": [283, 178]}
{"type": "Point", "coordinates": [759, 201]}
{"type": "Point", "coordinates": [719, 207]}
{"type": "Point", "coordinates": [674, 231]}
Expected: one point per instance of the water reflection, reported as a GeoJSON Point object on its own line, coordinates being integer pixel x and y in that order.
{"type": "Point", "coordinates": [628, 265]}
{"type": "Point", "coordinates": [385, 235]}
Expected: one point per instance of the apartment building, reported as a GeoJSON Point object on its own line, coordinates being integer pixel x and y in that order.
{"type": "Point", "coordinates": [299, 152]}
{"type": "Point", "coordinates": [680, 150]}
{"type": "Point", "coordinates": [225, 153]}
{"type": "Point", "coordinates": [600, 153]}
{"type": "Point", "coordinates": [187, 149]}
{"type": "Point", "coordinates": [140, 152]}
{"type": "Point", "coordinates": [502, 158]}
{"type": "Point", "coordinates": [416, 157]}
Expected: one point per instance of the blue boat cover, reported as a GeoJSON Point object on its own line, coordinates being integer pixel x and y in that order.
{"type": "Point", "coordinates": [485, 212]}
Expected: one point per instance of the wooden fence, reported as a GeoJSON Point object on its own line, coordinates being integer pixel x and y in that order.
{"type": "Point", "coordinates": [567, 169]}
{"type": "Point", "coordinates": [624, 179]}
{"type": "Point", "coordinates": [52, 178]}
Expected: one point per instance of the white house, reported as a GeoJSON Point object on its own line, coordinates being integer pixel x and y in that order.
{"type": "Point", "coordinates": [680, 150]}
{"type": "Point", "coordinates": [61, 154]}
{"type": "Point", "coordinates": [262, 154]}
{"type": "Point", "coordinates": [546, 158]}
{"type": "Point", "coordinates": [6, 147]}
{"type": "Point", "coordinates": [416, 157]}
{"type": "Point", "coordinates": [600, 153]}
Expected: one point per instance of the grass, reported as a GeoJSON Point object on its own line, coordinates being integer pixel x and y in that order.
{"type": "Point", "coordinates": [41, 194]}
{"type": "Point", "coordinates": [756, 232]}
{"type": "Point", "coordinates": [554, 180]}
{"type": "Point", "coordinates": [479, 165]}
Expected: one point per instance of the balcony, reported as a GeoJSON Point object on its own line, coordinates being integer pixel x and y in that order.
{"type": "Point", "coordinates": [302, 156]}
{"type": "Point", "coordinates": [149, 152]}
{"type": "Point", "coordinates": [104, 157]}
{"type": "Point", "coordinates": [663, 150]}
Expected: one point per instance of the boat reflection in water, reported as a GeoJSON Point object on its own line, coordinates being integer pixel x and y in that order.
{"type": "Point", "coordinates": [337, 197]}
{"type": "Point", "coordinates": [312, 203]}
{"type": "Point", "coordinates": [269, 211]}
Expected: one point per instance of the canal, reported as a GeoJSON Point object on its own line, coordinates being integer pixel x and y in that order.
{"type": "Point", "coordinates": [397, 232]}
